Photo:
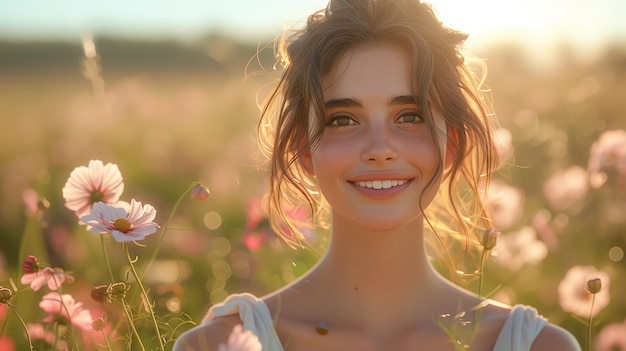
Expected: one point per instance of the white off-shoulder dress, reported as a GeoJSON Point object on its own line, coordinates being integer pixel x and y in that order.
{"type": "Point", "coordinates": [518, 333]}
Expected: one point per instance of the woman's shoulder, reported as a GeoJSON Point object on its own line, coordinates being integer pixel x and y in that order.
{"type": "Point", "coordinates": [220, 321]}
{"type": "Point", "coordinates": [553, 337]}
{"type": "Point", "coordinates": [522, 321]}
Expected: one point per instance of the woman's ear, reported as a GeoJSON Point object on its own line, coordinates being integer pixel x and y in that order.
{"type": "Point", "coordinates": [451, 147]}
{"type": "Point", "coordinates": [307, 164]}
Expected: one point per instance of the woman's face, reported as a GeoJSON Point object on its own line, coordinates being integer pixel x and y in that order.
{"type": "Point", "coordinates": [376, 155]}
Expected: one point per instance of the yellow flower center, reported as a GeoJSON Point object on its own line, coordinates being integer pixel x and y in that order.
{"type": "Point", "coordinates": [122, 224]}
{"type": "Point", "coordinates": [95, 196]}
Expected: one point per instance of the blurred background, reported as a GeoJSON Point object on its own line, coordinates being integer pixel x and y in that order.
{"type": "Point", "coordinates": [169, 91]}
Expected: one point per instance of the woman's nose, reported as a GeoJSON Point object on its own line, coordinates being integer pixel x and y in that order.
{"type": "Point", "coordinates": [379, 146]}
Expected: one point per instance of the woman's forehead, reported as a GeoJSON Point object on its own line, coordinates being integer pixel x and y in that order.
{"type": "Point", "coordinates": [372, 70]}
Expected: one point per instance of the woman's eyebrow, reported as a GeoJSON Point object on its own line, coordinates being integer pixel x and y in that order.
{"type": "Point", "coordinates": [333, 103]}
{"type": "Point", "coordinates": [348, 102]}
{"type": "Point", "coordinates": [403, 100]}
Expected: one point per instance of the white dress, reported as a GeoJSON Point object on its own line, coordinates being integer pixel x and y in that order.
{"type": "Point", "coordinates": [518, 333]}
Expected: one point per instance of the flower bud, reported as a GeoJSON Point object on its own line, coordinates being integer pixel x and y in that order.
{"type": "Point", "coordinates": [30, 265]}
{"type": "Point", "coordinates": [98, 324]}
{"type": "Point", "coordinates": [490, 238]}
{"type": "Point", "coordinates": [200, 192]}
{"type": "Point", "coordinates": [118, 290]}
{"type": "Point", "coordinates": [5, 295]}
{"type": "Point", "coordinates": [594, 285]}
{"type": "Point", "coordinates": [100, 294]}
{"type": "Point", "coordinates": [43, 204]}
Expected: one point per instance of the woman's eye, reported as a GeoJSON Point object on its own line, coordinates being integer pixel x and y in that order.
{"type": "Point", "coordinates": [409, 118]}
{"type": "Point", "coordinates": [340, 121]}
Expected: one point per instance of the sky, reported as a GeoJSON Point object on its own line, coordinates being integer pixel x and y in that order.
{"type": "Point", "coordinates": [589, 25]}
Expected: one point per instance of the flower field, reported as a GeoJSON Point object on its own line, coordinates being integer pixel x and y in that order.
{"type": "Point", "coordinates": [151, 124]}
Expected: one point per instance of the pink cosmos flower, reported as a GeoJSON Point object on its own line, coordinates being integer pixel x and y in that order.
{"type": "Point", "coordinates": [514, 250]}
{"type": "Point", "coordinates": [608, 159]}
{"type": "Point", "coordinates": [6, 343]}
{"type": "Point", "coordinates": [503, 139]}
{"type": "Point", "coordinates": [54, 277]}
{"type": "Point", "coordinates": [31, 201]}
{"type": "Point", "coordinates": [124, 225]}
{"type": "Point", "coordinates": [611, 337]}
{"type": "Point", "coordinates": [505, 203]}
{"type": "Point", "coordinates": [240, 340]}
{"type": "Point", "coordinates": [39, 332]}
{"type": "Point", "coordinates": [300, 217]}
{"type": "Point", "coordinates": [254, 240]}
{"type": "Point", "coordinates": [255, 214]}
{"type": "Point", "coordinates": [574, 295]}
{"type": "Point", "coordinates": [64, 307]}
{"type": "Point", "coordinates": [544, 229]}
{"type": "Point", "coordinates": [256, 228]}
{"type": "Point", "coordinates": [567, 188]}
{"type": "Point", "coordinates": [258, 231]}
{"type": "Point", "coordinates": [88, 185]}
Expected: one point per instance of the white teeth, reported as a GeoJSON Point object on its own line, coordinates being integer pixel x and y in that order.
{"type": "Point", "coordinates": [380, 184]}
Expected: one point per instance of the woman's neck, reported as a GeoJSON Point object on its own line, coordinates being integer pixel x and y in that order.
{"type": "Point", "coordinates": [381, 274]}
{"type": "Point", "coordinates": [377, 257]}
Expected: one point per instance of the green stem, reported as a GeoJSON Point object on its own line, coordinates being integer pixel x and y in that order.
{"type": "Point", "coordinates": [31, 243]}
{"type": "Point", "coordinates": [593, 300]}
{"type": "Point", "coordinates": [24, 244]}
{"type": "Point", "coordinates": [481, 274]}
{"type": "Point", "coordinates": [106, 258]}
{"type": "Point", "coordinates": [30, 342]}
{"type": "Point", "coordinates": [56, 336]}
{"type": "Point", "coordinates": [106, 340]}
{"type": "Point", "coordinates": [130, 322]}
{"type": "Point", "coordinates": [167, 224]}
{"type": "Point", "coordinates": [145, 297]}
{"type": "Point", "coordinates": [481, 277]}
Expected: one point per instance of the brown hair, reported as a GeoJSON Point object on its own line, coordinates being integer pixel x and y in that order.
{"type": "Point", "coordinates": [442, 82]}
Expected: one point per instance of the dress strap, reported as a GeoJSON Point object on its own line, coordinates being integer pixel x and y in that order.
{"type": "Point", "coordinates": [254, 314]}
{"type": "Point", "coordinates": [520, 329]}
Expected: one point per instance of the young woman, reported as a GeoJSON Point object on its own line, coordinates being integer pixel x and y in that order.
{"type": "Point", "coordinates": [378, 122]}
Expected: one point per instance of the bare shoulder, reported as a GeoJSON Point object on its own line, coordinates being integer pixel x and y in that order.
{"type": "Point", "coordinates": [550, 338]}
{"type": "Point", "coordinates": [553, 337]}
{"type": "Point", "coordinates": [207, 336]}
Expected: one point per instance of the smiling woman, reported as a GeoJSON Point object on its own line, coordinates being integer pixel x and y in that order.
{"type": "Point", "coordinates": [378, 121]}
{"type": "Point", "coordinates": [375, 136]}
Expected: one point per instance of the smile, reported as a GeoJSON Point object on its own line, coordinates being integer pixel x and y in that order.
{"type": "Point", "coordinates": [380, 184]}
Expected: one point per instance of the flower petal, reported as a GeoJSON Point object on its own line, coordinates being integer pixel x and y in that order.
{"type": "Point", "coordinates": [122, 237]}
{"type": "Point", "coordinates": [28, 278]}
{"type": "Point", "coordinates": [84, 181]}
